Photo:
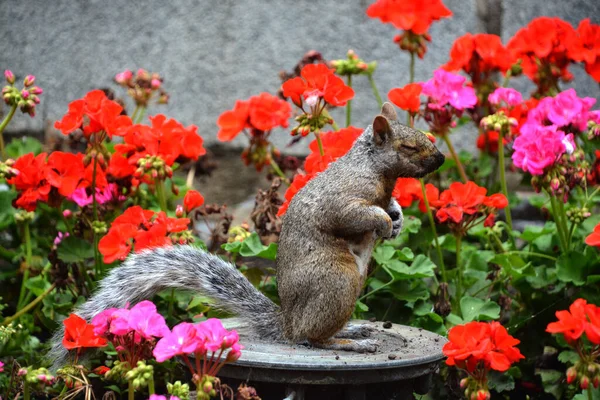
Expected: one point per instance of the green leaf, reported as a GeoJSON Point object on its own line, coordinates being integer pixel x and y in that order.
{"type": "Point", "coordinates": [476, 309]}
{"type": "Point", "coordinates": [500, 381]}
{"type": "Point", "coordinates": [73, 249]}
{"type": "Point", "coordinates": [406, 254]}
{"type": "Point", "coordinates": [570, 267]}
{"type": "Point", "coordinates": [252, 247]}
{"type": "Point", "coordinates": [454, 319]}
{"type": "Point", "coordinates": [22, 146]}
{"type": "Point", "coordinates": [6, 209]}
{"type": "Point", "coordinates": [37, 285]}
{"type": "Point", "coordinates": [568, 357]}
{"type": "Point", "coordinates": [383, 254]}
{"type": "Point", "coordinates": [361, 307]}
{"type": "Point", "coordinates": [410, 291]}
{"type": "Point", "coordinates": [422, 267]}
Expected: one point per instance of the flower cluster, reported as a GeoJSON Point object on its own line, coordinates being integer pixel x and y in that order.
{"type": "Point", "coordinates": [317, 87]}
{"type": "Point", "coordinates": [133, 331]}
{"type": "Point", "coordinates": [142, 86]}
{"type": "Point", "coordinates": [464, 204]}
{"type": "Point", "coordinates": [408, 190]}
{"type": "Point", "coordinates": [353, 65]}
{"type": "Point", "coordinates": [256, 117]}
{"type": "Point", "coordinates": [95, 113]}
{"type": "Point", "coordinates": [44, 178]}
{"type": "Point", "coordinates": [414, 17]}
{"type": "Point", "coordinates": [207, 341]}
{"type": "Point", "coordinates": [581, 318]}
{"type": "Point", "coordinates": [407, 97]}
{"type": "Point", "coordinates": [142, 229]}
{"type": "Point", "coordinates": [593, 239]}
{"type": "Point", "coordinates": [477, 348]}
{"type": "Point", "coordinates": [25, 98]}
{"type": "Point", "coordinates": [148, 152]}
{"type": "Point", "coordinates": [329, 147]}
{"type": "Point", "coordinates": [547, 46]}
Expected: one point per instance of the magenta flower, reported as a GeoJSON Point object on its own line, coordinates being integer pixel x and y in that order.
{"type": "Point", "coordinates": [123, 77]}
{"type": "Point", "coordinates": [1, 366]}
{"type": "Point", "coordinates": [509, 96]}
{"type": "Point", "coordinates": [119, 323]}
{"type": "Point", "coordinates": [448, 88]}
{"type": "Point", "coordinates": [59, 237]}
{"type": "Point", "coordinates": [214, 333]}
{"type": "Point", "coordinates": [540, 147]}
{"type": "Point", "coordinates": [146, 321]}
{"type": "Point", "coordinates": [102, 321]}
{"type": "Point", "coordinates": [9, 76]}
{"type": "Point", "coordinates": [183, 339]}
{"type": "Point", "coordinates": [105, 195]}
{"type": "Point", "coordinates": [235, 353]}
{"type": "Point", "coordinates": [161, 397]}
{"type": "Point", "coordinates": [568, 109]}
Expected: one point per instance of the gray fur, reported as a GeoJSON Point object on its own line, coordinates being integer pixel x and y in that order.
{"type": "Point", "coordinates": [180, 267]}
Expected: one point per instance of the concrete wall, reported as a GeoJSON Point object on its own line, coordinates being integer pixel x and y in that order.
{"type": "Point", "coordinates": [214, 52]}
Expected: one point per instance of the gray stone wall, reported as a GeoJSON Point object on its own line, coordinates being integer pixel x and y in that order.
{"type": "Point", "coordinates": [214, 52]}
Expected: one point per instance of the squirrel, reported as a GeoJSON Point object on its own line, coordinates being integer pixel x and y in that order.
{"type": "Point", "coordinates": [327, 237]}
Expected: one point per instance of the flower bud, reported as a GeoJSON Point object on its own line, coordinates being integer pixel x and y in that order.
{"type": "Point", "coordinates": [10, 77]}
{"type": "Point", "coordinates": [584, 383]}
{"type": "Point", "coordinates": [483, 394]}
{"type": "Point", "coordinates": [155, 83]}
{"type": "Point", "coordinates": [179, 211]}
{"type": "Point", "coordinates": [207, 387]}
{"type": "Point", "coordinates": [36, 90]}
{"type": "Point", "coordinates": [29, 80]}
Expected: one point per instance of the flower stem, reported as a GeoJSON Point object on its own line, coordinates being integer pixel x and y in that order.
{"type": "Point", "coordinates": [503, 179]}
{"type": "Point", "coordinates": [27, 240]}
{"type": "Point", "coordinates": [375, 91]}
{"type": "Point", "coordinates": [160, 195]}
{"type": "Point", "coordinates": [3, 125]}
{"type": "Point", "coordinates": [29, 306]}
{"type": "Point", "coordinates": [434, 230]}
{"type": "Point", "coordinates": [589, 393]}
{"type": "Point", "coordinates": [97, 261]}
{"type": "Point", "coordinates": [459, 166]}
{"type": "Point", "coordinates": [349, 104]}
{"type": "Point", "coordinates": [130, 390]}
{"type": "Point", "coordinates": [140, 115]}
{"type": "Point", "coordinates": [459, 283]}
{"type": "Point", "coordinates": [321, 151]}
{"type": "Point", "coordinates": [26, 395]}
{"type": "Point", "coordinates": [278, 170]}
{"type": "Point", "coordinates": [151, 389]}
{"type": "Point", "coordinates": [557, 219]}
{"type": "Point", "coordinates": [411, 71]}
{"type": "Point", "coordinates": [563, 222]}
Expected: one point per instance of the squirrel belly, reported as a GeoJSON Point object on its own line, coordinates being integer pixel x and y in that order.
{"type": "Point", "coordinates": [144, 274]}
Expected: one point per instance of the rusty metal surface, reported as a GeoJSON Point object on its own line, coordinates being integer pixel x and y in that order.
{"type": "Point", "coordinates": [397, 359]}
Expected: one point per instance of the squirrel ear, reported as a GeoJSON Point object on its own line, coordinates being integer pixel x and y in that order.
{"type": "Point", "coordinates": [388, 111]}
{"type": "Point", "coordinates": [381, 129]}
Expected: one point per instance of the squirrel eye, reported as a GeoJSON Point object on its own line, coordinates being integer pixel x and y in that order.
{"type": "Point", "coordinates": [408, 147]}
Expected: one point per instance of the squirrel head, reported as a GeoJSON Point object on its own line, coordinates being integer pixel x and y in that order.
{"type": "Point", "coordinates": [408, 152]}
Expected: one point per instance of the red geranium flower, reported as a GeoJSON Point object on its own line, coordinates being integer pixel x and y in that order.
{"type": "Point", "coordinates": [335, 144]}
{"type": "Point", "coordinates": [481, 345]}
{"type": "Point", "coordinates": [140, 229]}
{"type": "Point", "coordinates": [65, 171]}
{"type": "Point", "coordinates": [31, 181]}
{"type": "Point", "coordinates": [587, 48]}
{"type": "Point", "coordinates": [410, 15]}
{"type": "Point", "coordinates": [408, 190]}
{"type": "Point", "coordinates": [581, 317]}
{"type": "Point", "coordinates": [480, 53]}
{"type": "Point", "coordinates": [262, 113]}
{"type": "Point", "coordinates": [192, 200]}
{"type": "Point", "coordinates": [317, 82]}
{"type": "Point", "coordinates": [593, 239]}
{"type": "Point", "coordinates": [79, 334]}
{"type": "Point", "coordinates": [488, 141]}
{"type": "Point", "coordinates": [101, 114]}
{"type": "Point", "coordinates": [407, 97]}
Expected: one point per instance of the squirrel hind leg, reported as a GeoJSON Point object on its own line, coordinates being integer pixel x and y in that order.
{"type": "Point", "coordinates": [358, 346]}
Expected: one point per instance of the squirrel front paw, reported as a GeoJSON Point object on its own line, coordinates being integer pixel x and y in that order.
{"type": "Point", "coordinates": [395, 213]}
{"type": "Point", "coordinates": [386, 228]}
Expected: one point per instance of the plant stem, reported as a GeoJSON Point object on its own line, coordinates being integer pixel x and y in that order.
{"type": "Point", "coordinates": [27, 240]}
{"type": "Point", "coordinates": [411, 71]}
{"type": "Point", "coordinates": [589, 393]}
{"type": "Point", "coordinates": [130, 390]}
{"type": "Point", "coordinates": [3, 125]}
{"type": "Point", "coordinates": [563, 223]}
{"type": "Point", "coordinates": [557, 220]}
{"type": "Point", "coordinates": [503, 179]}
{"type": "Point", "coordinates": [375, 91]}
{"type": "Point", "coordinates": [459, 166]}
{"type": "Point", "coordinates": [26, 395]}
{"type": "Point", "coordinates": [151, 389]}
{"type": "Point", "coordinates": [140, 115]}
{"type": "Point", "coordinates": [160, 195]}
{"type": "Point", "coordinates": [459, 283]}
{"type": "Point", "coordinates": [97, 261]}
{"type": "Point", "coordinates": [278, 170]}
{"type": "Point", "coordinates": [434, 230]}
{"type": "Point", "coordinates": [321, 152]}
{"type": "Point", "coordinates": [333, 123]}
{"type": "Point", "coordinates": [349, 104]}
{"type": "Point", "coordinates": [29, 306]}
{"type": "Point", "coordinates": [531, 253]}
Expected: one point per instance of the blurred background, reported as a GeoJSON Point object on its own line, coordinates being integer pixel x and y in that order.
{"type": "Point", "coordinates": [212, 53]}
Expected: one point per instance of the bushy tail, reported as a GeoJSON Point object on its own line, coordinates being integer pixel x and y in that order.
{"type": "Point", "coordinates": [180, 267]}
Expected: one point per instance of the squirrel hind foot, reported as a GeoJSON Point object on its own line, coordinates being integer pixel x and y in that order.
{"type": "Point", "coordinates": [355, 331]}
{"type": "Point", "coordinates": [358, 346]}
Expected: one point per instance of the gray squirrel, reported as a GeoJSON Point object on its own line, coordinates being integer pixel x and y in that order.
{"type": "Point", "coordinates": [326, 240]}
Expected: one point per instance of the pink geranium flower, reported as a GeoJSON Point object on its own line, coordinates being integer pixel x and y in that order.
{"type": "Point", "coordinates": [102, 321]}
{"type": "Point", "coordinates": [540, 147]}
{"type": "Point", "coordinates": [448, 88]}
{"type": "Point", "coordinates": [183, 339]}
{"type": "Point", "coordinates": [213, 332]}
{"type": "Point", "coordinates": [509, 96]}
{"type": "Point", "coordinates": [104, 195]}
{"type": "Point", "coordinates": [568, 109]}
{"type": "Point", "coordinates": [146, 321]}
